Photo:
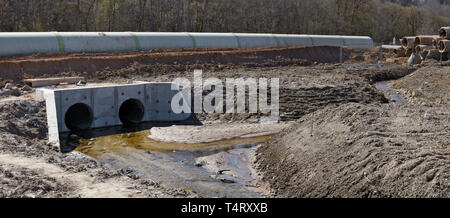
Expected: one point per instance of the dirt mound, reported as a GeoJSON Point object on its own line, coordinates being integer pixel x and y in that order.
{"type": "Point", "coordinates": [357, 150]}
{"type": "Point", "coordinates": [429, 84]}
{"type": "Point", "coordinates": [374, 56]}
{"type": "Point", "coordinates": [24, 118]}
{"type": "Point", "coordinates": [306, 89]}
{"type": "Point", "coordinates": [18, 68]}
{"type": "Point", "coordinates": [20, 182]}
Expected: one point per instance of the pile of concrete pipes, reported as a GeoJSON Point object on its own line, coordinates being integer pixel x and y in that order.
{"type": "Point", "coordinates": [443, 43]}
{"type": "Point", "coordinates": [92, 42]}
{"type": "Point", "coordinates": [428, 46]}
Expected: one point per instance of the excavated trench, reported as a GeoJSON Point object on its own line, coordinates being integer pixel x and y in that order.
{"type": "Point", "coordinates": [395, 97]}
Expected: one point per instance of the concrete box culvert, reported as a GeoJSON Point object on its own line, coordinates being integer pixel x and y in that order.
{"type": "Point", "coordinates": [96, 106]}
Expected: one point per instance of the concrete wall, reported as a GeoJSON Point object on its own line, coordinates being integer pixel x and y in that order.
{"type": "Point", "coordinates": [107, 106]}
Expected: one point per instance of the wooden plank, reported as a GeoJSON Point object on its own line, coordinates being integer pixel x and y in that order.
{"type": "Point", "coordinates": [51, 81]}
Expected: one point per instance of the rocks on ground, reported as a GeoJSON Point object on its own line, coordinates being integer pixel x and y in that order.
{"type": "Point", "coordinates": [9, 89]}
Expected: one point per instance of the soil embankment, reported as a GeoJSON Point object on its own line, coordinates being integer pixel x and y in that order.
{"type": "Point", "coordinates": [428, 85]}
{"type": "Point", "coordinates": [103, 65]}
{"type": "Point", "coordinates": [357, 150]}
{"type": "Point", "coordinates": [368, 150]}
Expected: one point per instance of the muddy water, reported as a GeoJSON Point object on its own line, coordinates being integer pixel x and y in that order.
{"type": "Point", "coordinates": [391, 94]}
{"type": "Point", "coordinates": [173, 165]}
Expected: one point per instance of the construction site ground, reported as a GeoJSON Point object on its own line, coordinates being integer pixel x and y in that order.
{"type": "Point", "coordinates": [339, 136]}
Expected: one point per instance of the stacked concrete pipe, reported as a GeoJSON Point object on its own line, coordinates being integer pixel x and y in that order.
{"type": "Point", "coordinates": [95, 42]}
{"type": "Point", "coordinates": [425, 39]}
{"type": "Point", "coordinates": [429, 46]}
{"type": "Point", "coordinates": [444, 32]}
{"type": "Point", "coordinates": [444, 42]}
{"type": "Point", "coordinates": [407, 42]}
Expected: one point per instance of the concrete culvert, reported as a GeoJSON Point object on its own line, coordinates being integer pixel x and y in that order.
{"type": "Point", "coordinates": [131, 112]}
{"type": "Point", "coordinates": [407, 41]}
{"type": "Point", "coordinates": [79, 117]}
{"type": "Point", "coordinates": [425, 40]}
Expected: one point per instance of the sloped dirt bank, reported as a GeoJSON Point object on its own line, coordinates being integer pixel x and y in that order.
{"type": "Point", "coordinates": [306, 89]}
{"type": "Point", "coordinates": [428, 85]}
{"type": "Point", "coordinates": [357, 150]}
{"type": "Point", "coordinates": [159, 62]}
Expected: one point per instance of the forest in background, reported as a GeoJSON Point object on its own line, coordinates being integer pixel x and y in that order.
{"type": "Point", "coordinates": [380, 19]}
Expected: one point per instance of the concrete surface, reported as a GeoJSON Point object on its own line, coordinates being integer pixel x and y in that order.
{"type": "Point", "coordinates": [75, 109]}
{"type": "Point", "coordinates": [51, 81]}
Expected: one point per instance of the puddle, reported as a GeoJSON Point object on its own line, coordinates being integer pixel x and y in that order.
{"type": "Point", "coordinates": [173, 165]}
{"type": "Point", "coordinates": [131, 142]}
{"type": "Point", "coordinates": [393, 95]}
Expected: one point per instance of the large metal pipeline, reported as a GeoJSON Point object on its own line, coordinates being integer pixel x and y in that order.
{"type": "Point", "coordinates": [94, 42]}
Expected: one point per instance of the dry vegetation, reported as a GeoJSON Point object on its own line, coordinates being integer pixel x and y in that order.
{"type": "Point", "coordinates": [379, 19]}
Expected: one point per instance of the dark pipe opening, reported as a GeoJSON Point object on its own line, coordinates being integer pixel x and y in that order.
{"type": "Point", "coordinates": [404, 42]}
{"type": "Point", "coordinates": [442, 33]}
{"type": "Point", "coordinates": [417, 41]}
{"type": "Point", "coordinates": [131, 111]}
{"type": "Point", "coordinates": [441, 46]}
{"type": "Point", "coordinates": [79, 117]}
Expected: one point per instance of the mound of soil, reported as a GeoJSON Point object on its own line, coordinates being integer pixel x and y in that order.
{"type": "Point", "coordinates": [357, 150]}
{"type": "Point", "coordinates": [21, 182]}
{"type": "Point", "coordinates": [429, 84]}
{"type": "Point", "coordinates": [306, 89]}
{"type": "Point", "coordinates": [24, 118]}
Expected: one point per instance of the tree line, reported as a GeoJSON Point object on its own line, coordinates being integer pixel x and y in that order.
{"type": "Point", "coordinates": [380, 19]}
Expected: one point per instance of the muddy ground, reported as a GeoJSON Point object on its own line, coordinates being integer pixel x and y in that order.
{"type": "Point", "coordinates": [358, 150]}
{"type": "Point", "coordinates": [362, 145]}
{"type": "Point", "coordinates": [369, 150]}
{"type": "Point", "coordinates": [30, 167]}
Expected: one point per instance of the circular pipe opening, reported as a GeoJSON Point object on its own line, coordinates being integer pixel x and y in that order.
{"type": "Point", "coordinates": [417, 41]}
{"type": "Point", "coordinates": [131, 111]}
{"type": "Point", "coordinates": [442, 32]}
{"type": "Point", "coordinates": [79, 117]}
{"type": "Point", "coordinates": [405, 41]}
